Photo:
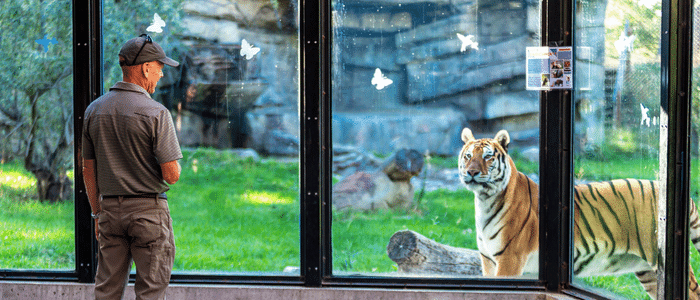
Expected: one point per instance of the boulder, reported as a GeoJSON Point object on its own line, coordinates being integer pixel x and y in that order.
{"type": "Point", "coordinates": [274, 130]}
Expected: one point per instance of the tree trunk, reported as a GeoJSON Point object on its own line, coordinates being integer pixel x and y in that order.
{"type": "Point", "coordinates": [417, 254]}
{"type": "Point", "coordinates": [45, 161]}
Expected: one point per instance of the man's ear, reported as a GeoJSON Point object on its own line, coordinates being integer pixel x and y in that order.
{"type": "Point", "coordinates": [144, 69]}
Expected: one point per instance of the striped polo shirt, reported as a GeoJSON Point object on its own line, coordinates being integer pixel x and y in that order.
{"type": "Point", "coordinates": [129, 135]}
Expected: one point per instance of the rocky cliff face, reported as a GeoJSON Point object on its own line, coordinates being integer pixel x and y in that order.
{"type": "Point", "coordinates": [439, 86]}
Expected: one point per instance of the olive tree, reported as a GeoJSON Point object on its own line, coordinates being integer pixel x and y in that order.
{"type": "Point", "coordinates": [36, 108]}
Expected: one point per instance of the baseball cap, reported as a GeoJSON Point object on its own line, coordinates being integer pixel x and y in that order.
{"type": "Point", "coordinates": [143, 49]}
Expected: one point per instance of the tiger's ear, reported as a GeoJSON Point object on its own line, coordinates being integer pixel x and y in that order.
{"type": "Point", "coordinates": [503, 138]}
{"type": "Point", "coordinates": [467, 135]}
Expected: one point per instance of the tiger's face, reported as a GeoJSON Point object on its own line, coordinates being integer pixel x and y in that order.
{"type": "Point", "coordinates": [483, 164]}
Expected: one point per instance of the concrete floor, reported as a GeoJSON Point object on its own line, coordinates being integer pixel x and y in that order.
{"type": "Point", "coordinates": [11, 290]}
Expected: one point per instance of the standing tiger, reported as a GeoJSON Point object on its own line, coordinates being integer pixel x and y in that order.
{"type": "Point", "coordinates": [614, 221]}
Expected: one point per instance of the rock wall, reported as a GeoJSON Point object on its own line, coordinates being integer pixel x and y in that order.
{"type": "Point", "coordinates": [438, 87]}
{"type": "Point", "coordinates": [436, 84]}
{"type": "Point", "coordinates": [226, 100]}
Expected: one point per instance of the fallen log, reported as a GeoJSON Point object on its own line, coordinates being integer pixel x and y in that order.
{"type": "Point", "coordinates": [417, 254]}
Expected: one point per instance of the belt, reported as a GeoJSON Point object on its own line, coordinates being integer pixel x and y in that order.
{"type": "Point", "coordinates": [143, 196]}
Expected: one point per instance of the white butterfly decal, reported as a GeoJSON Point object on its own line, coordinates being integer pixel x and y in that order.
{"type": "Point", "coordinates": [157, 24]}
{"type": "Point", "coordinates": [645, 115]}
{"type": "Point", "coordinates": [467, 42]}
{"type": "Point", "coordinates": [248, 50]}
{"type": "Point", "coordinates": [380, 80]}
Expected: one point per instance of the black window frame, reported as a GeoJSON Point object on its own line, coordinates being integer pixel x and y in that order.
{"type": "Point", "coordinates": [556, 127]}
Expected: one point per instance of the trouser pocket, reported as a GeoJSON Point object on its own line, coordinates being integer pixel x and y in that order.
{"type": "Point", "coordinates": [152, 246]}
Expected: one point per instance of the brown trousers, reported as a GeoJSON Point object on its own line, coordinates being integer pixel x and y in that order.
{"type": "Point", "coordinates": [138, 230]}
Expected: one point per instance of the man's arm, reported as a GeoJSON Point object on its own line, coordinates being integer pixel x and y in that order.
{"type": "Point", "coordinates": [171, 171]}
{"type": "Point", "coordinates": [90, 179]}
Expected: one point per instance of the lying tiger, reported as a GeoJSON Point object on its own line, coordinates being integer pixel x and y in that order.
{"type": "Point", "coordinates": [614, 221]}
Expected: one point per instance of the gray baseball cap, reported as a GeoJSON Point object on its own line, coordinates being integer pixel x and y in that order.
{"type": "Point", "coordinates": [143, 49]}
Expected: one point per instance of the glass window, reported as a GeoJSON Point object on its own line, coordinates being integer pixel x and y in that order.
{"type": "Point", "coordinates": [234, 100]}
{"type": "Point", "coordinates": [407, 78]}
{"type": "Point", "coordinates": [617, 138]}
{"type": "Point", "coordinates": [37, 228]}
{"type": "Point", "coordinates": [695, 134]}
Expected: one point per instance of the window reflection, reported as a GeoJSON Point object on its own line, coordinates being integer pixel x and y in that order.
{"type": "Point", "coordinates": [407, 78]}
{"type": "Point", "coordinates": [234, 101]}
{"type": "Point", "coordinates": [36, 127]}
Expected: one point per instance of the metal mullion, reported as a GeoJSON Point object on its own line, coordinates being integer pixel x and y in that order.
{"type": "Point", "coordinates": [310, 162]}
{"type": "Point", "coordinates": [184, 278]}
{"type": "Point", "coordinates": [555, 159]}
{"type": "Point", "coordinates": [676, 64]}
{"type": "Point", "coordinates": [473, 283]}
{"type": "Point", "coordinates": [86, 40]}
{"type": "Point", "coordinates": [38, 275]}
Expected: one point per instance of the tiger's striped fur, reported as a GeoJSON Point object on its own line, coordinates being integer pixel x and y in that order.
{"type": "Point", "coordinates": [614, 221]}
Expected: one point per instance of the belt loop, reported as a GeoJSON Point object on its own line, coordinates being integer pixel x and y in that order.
{"type": "Point", "coordinates": [121, 198]}
{"type": "Point", "coordinates": [156, 197]}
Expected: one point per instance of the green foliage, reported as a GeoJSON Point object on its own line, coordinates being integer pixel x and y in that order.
{"type": "Point", "coordinates": [644, 23]}
{"type": "Point", "coordinates": [126, 19]}
{"type": "Point", "coordinates": [36, 115]}
{"type": "Point", "coordinates": [695, 108]}
{"type": "Point", "coordinates": [36, 77]}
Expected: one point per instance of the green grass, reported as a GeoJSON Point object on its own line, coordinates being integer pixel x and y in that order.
{"type": "Point", "coordinates": [33, 234]}
{"type": "Point", "coordinates": [235, 215]}
{"type": "Point", "coordinates": [239, 215]}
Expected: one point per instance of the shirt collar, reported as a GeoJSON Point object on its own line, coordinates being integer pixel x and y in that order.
{"type": "Point", "coordinates": [128, 86]}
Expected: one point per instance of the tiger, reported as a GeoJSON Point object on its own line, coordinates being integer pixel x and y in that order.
{"type": "Point", "coordinates": [614, 221]}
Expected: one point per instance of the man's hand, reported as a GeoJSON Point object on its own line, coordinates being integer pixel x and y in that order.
{"type": "Point", "coordinates": [90, 179]}
{"type": "Point", "coordinates": [97, 229]}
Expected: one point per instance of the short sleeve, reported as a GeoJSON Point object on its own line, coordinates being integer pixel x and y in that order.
{"type": "Point", "coordinates": [166, 146]}
{"type": "Point", "coordinates": [88, 148]}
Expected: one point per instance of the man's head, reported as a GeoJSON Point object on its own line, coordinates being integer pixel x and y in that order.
{"type": "Point", "coordinates": [142, 62]}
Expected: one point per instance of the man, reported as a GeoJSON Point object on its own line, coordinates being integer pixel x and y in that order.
{"type": "Point", "coordinates": [130, 151]}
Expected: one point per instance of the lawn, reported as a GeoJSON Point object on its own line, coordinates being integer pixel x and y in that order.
{"type": "Point", "coordinates": [234, 215]}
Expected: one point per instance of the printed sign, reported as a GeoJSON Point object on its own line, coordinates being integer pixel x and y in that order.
{"type": "Point", "coordinates": [549, 68]}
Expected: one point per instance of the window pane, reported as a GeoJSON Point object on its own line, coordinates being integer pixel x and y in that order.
{"type": "Point", "coordinates": [694, 130]}
{"type": "Point", "coordinates": [616, 146]}
{"type": "Point", "coordinates": [408, 77]}
{"type": "Point", "coordinates": [234, 101]}
{"type": "Point", "coordinates": [37, 228]}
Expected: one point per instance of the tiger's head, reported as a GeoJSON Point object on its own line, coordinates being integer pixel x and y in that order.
{"type": "Point", "coordinates": [484, 164]}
